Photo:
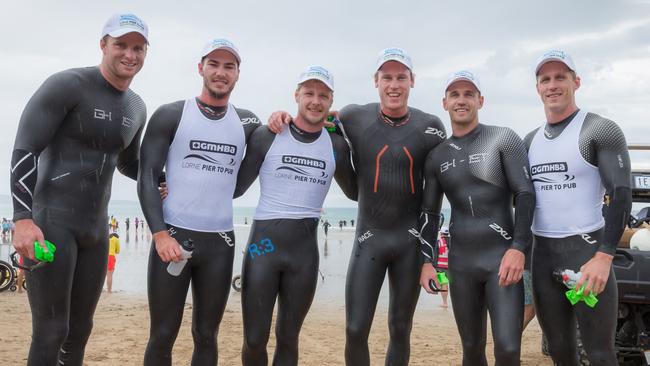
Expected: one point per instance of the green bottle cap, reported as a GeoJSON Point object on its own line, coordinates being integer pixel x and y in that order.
{"type": "Point", "coordinates": [41, 255]}
{"type": "Point", "coordinates": [442, 278]}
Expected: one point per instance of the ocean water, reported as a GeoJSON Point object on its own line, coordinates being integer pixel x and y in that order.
{"type": "Point", "coordinates": [131, 271]}
{"type": "Point", "coordinates": [122, 209]}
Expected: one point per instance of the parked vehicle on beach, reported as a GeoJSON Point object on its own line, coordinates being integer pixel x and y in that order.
{"type": "Point", "coordinates": [632, 270]}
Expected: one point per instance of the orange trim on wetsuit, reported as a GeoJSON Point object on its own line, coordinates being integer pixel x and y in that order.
{"type": "Point", "coordinates": [410, 168]}
{"type": "Point", "coordinates": [381, 152]}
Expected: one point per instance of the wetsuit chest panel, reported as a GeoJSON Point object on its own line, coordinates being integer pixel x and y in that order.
{"type": "Point", "coordinates": [104, 118]}
{"type": "Point", "coordinates": [569, 190]}
{"type": "Point", "coordinates": [84, 152]}
{"type": "Point", "coordinates": [295, 177]}
{"type": "Point", "coordinates": [201, 168]}
{"type": "Point", "coordinates": [472, 174]}
{"type": "Point", "coordinates": [389, 162]}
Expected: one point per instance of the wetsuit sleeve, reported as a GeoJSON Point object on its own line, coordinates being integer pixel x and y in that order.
{"type": "Point", "coordinates": [515, 165]}
{"type": "Point", "coordinates": [39, 123]}
{"type": "Point", "coordinates": [529, 139]}
{"type": "Point", "coordinates": [249, 121]}
{"type": "Point", "coordinates": [430, 215]}
{"type": "Point", "coordinates": [153, 156]}
{"type": "Point", "coordinates": [129, 160]}
{"type": "Point", "coordinates": [259, 144]}
{"type": "Point", "coordinates": [347, 113]}
{"type": "Point", "coordinates": [345, 175]}
{"type": "Point", "coordinates": [614, 167]}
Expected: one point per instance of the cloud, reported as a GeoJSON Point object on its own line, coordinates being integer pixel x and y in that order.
{"type": "Point", "coordinates": [609, 40]}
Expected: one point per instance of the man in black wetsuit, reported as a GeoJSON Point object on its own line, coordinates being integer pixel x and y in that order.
{"type": "Point", "coordinates": [480, 168]}
{"type": "Point", "coordinates": [200, 143]}
{"type": "Point", "coordinates": [295, 169]}
{"type": "Point", "coordinates": [389, 142]}
{"type": "Point", "coordinates": [76, 129]}
{"type": "Point", "coordinates": [575, 158]}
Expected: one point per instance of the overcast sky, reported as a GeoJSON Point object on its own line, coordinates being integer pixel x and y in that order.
{"type": "Point", "coordinates": [499, 40]}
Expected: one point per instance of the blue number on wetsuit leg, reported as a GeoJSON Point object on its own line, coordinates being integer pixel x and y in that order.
{"type": "Point", "coordinates": [268, 245]}
{"type": "Point", "coordinates": [253, 249]}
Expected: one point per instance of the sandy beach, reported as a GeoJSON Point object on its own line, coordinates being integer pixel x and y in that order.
{"type": "Point", "coordinates": [122, 325]}
{"type": "Point", "coordinates": [121, 328]}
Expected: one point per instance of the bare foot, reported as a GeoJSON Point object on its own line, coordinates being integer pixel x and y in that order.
{"type": "Point", "coordinates": [444, 306]}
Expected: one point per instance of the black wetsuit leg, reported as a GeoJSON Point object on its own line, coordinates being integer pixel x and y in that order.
{"type": "Point", "coordinates": [210, 270]}
{"type": "Point", "coordinates": [61, 326]}
{"type": "Point", "coordinates": [474, 290]}
{"type": "Point", "coordinates": [281, 261]}
{"type": "Point", "coordinates": [375, 252]}
{"type": "Point", "coordinates": [557, 316]}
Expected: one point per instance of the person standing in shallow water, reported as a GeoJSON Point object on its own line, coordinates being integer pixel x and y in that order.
{"type": "Point", "coordinates": [78, 127]}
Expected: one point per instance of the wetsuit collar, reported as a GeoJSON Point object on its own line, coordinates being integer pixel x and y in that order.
{"type": "Point", "coordinates": [211, 112]}
{"type": "Point", "coordinates": [553, 130]}
{"type": "Point", "coordinates": [471, 133]}
{"type": "Point", "coordinates": [302, 135]}
{"type": "Point", "coordinates": [395, 121]}
{"type": "Point", "coordinates": [106, 82]}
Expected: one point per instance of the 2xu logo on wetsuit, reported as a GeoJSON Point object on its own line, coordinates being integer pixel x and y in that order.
{"type": "Point", "coordinates": [302, 169]}
{"type": "Point", "coordinates": [213, 157]}
{"type": "Point", "coordinates": [564, 181]}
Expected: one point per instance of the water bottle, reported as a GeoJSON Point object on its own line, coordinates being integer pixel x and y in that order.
{"type": "Point", "coordinates": [175, 268]}
{"type": "Point", "coordinates": [568, 277]}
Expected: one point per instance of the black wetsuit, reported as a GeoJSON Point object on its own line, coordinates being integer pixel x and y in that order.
{"type": "Point", "coordinates": [480, 173]}
{"type": "Point", "coordinates": [602, 145]}
{"type": "Point", "coordinates": [282, 258]}
{"type": "Point", "coordinates": [209, 269]}
{"type": "Point", "coordinates": [389, 161]}
{"type": "Point", "coordinates": [75, 130]}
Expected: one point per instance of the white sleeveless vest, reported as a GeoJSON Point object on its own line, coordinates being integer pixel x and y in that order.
{"type": "Point", "coordinates": [201, 170]}
{"type": "Point", "coordinates": [295, 177]}
{"type": "Point", "coordinates": [569, 191]}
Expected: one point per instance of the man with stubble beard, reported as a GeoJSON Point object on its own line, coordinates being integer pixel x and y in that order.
{"type": "Point", "coordinates": [199, 142]}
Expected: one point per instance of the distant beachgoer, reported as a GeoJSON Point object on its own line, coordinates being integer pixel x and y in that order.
{"type": "Point", "coordinates": [352, 223]}
{"type": "Point", "coordinates": [442, 265]}
{"type": "Point", "coordinates": [127, 223]}
{"type": "Point", "coordinates": [326, 226]}
{"type": "Point", "coordinates": [113, 249]}
{"type": "Point", "coordinates": [341, 224]}
{"type": "Point", "coordinates": [5, 227]}
{"type": "Point", "coordinates": [137, 221]}
{"type": "Point", "coordinates": [113, 223]}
